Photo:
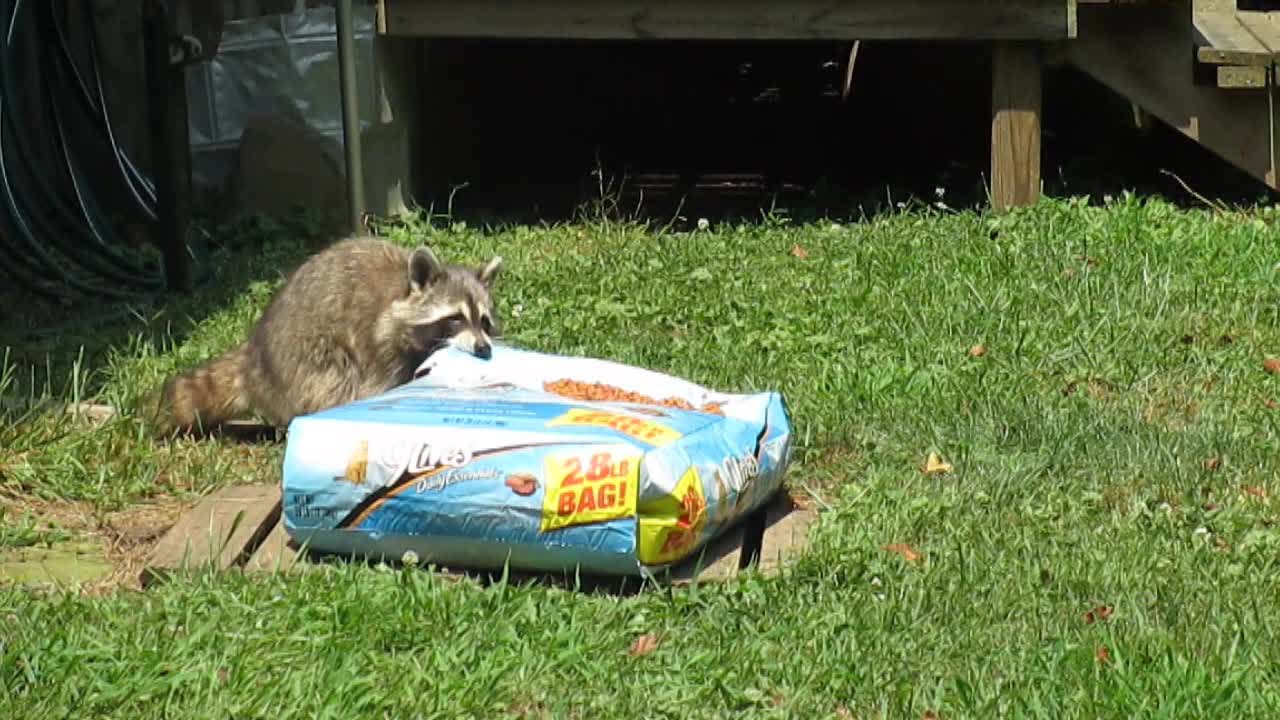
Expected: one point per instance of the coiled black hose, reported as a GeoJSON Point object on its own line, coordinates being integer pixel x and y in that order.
{"type": "Point", "coordinates": [53, 236]}
{"type": "Point", "coordinates": [95, 103]}
{"type": "Point", "coordinates": [133, 177]}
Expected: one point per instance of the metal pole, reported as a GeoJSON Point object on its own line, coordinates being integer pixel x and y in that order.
{"type": "Point", "coordinates": [350, 117]}
{"type": "Point", "coordinates": [170, 144]}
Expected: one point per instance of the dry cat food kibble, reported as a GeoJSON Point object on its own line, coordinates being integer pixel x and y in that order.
{"type": "Point", "coordinates": [600, 392]}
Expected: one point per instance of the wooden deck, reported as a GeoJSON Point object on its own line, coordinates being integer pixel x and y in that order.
{"type": "Point", "coordinates": [1017, 29]}
{"type": "Point", "coordinates": [1201, 66]}
{"type": "Point", "coordinates": [1204, 67]}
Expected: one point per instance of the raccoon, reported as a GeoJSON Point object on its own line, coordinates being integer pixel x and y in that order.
{"type": "Point", "coordinates": [354, 320]}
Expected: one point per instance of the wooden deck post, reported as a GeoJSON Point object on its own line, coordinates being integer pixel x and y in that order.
{"type": "Point", "coordinates": [391, 142]}
{"type": "Point", "coordinates": [1015, 125]}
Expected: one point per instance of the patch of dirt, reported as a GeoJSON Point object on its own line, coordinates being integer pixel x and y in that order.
{"type": "Point", "coordinates": [824, 474]}
{"type": "Point", "coordinates": [125, 537]}
{"type": "Point", "coordinates": [1095, 388]}
{"type": "Point", "coordinates": [129, 535]}
{"type": "Point", "coordinates": [1174, 408]}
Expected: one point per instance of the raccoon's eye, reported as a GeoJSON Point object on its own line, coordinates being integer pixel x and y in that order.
{"type": "Point", "coordinates": [486, 325]}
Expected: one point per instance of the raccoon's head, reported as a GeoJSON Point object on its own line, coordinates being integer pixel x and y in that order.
{"type": "Point", "coordinates": [449, 305]}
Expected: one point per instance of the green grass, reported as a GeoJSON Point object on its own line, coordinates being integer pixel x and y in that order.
{"type": "Point", "coordinates": [1125, 348]}
{"type": "Point", "coordinates": [26, 531]}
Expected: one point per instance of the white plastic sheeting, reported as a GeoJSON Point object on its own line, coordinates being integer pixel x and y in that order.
{"type": "Point", "coordinates": [286, 64]}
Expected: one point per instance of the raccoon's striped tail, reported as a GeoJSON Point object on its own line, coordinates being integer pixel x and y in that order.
{"type": "Point", "coordinates": [201, 399]}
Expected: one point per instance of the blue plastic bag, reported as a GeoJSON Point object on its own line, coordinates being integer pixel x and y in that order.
{"type": "Point", "coordinates": [484, 463]}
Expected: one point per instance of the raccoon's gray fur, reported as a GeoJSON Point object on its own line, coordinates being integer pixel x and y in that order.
{"type": "Point", "coordinates": [353, 321]}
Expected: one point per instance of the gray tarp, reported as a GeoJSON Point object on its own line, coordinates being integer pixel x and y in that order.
{"type": "Point", "coordinates": [285, 64]}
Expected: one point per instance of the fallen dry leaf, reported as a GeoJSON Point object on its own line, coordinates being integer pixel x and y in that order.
{"type": "Point", "coordinates": [1271, 365]}
{"type": "Point", "coordinates": [799, 251]}
{"type": "Point", "coordinates": [1098, 614]}
{"type": "Point", "coordinates": [1270, 404]}
{"type": "Point", "coordinates": [644, 645]}
{"type": "Point", "coordinates": [1102, 654]}
{"type": "Point", "coordinates": [977, 351]}
{"type": "Point", "coordinates": [930, 715]}
{"type": "Point", "coordinates": [805, 502]}
{"type": "Point", "coordinates": [935, 464]}
{"type": "Point", "coordinates": [1211, 507]}
{"type": "Point", "coordinates": [1213, 463]}
{"type": "Point", "coordinates": [1255, 492]}
{"type": "Point", "coordinates": [907, 552]}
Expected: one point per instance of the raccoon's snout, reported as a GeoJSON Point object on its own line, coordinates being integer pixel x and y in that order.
{"type": "Point", "coordinates": [473, 343]}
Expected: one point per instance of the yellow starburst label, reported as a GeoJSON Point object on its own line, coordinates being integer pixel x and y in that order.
{"type": "Point", "coordinates": [645, 431]}
{"type": "Point", "coordinates": [670, 526]}
{"type": "Point", "coordinates": [590, 485]}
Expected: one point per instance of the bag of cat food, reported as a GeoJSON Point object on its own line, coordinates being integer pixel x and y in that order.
{"type": "Point", "coordinates": [534, 461]}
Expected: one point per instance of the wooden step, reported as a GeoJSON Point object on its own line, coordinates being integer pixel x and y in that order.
{"type": "Point", "coordinates": [1241, 47]}
{"type": "Point", "coordinates": [1223, 39]}
{"type": "Point", "coordinates": [241, 528]}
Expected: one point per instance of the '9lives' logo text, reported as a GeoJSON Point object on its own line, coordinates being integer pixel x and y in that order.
{"type": "Point", "coordinates": [420, 457]}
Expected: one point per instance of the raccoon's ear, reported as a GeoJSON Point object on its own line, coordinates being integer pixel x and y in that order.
{"type": "Point", "coordinates": [424, 267]}
{"type": "Point", "coordinates": [490, 271]}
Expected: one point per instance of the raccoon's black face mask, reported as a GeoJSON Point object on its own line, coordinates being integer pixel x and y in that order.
{"type": "Point", "coordinates": [451, 305]}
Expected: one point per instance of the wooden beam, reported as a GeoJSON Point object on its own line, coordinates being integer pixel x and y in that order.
{"type": "Point", "coordinates": [1237, 77]}
{"type": "Point", "coordinates": [741, 20]}
{"type": "Point", "coordinates": [391, 142]}
{"type": "Point", "coordinates": [786, 534]}
{"type": "Point", "coordinates": [277, 553]}
{"type": "Point", "coordinates": [1015, 125]}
